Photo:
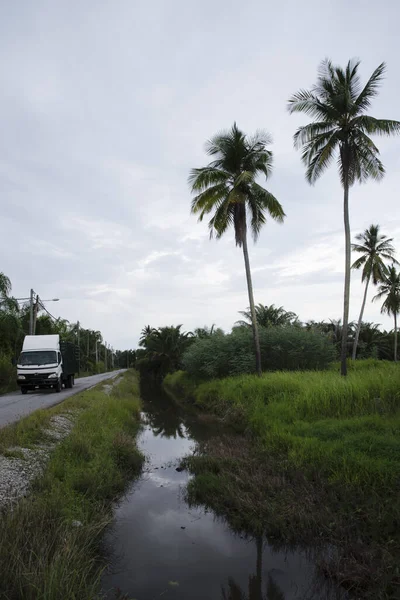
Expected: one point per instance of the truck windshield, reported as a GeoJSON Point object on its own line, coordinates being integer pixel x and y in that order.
{"type": "Point", "coordinates": [38, 357]}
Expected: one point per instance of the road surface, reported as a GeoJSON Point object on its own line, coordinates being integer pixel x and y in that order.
{"type": "Point", "coordinates": [15, 405]}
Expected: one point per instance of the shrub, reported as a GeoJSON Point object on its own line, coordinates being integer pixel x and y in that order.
{"type": "Point", "coordinates": [282, 348]}
{"type": "Point", "coordinates": [8, 374]}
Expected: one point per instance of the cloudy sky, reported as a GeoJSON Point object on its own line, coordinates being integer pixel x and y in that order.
{"type": "Point", "coordinates": [106, 105]}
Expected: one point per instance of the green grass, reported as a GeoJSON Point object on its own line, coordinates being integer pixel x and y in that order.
{"type": "Point", "coordinates": [44, 555]}
{"type": "Point", "coordinates": [328, 452]}
{"type": "Point", "coordinates": [347, 428]}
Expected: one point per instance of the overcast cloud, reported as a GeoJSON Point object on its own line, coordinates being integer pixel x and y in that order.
{"type": "Point", "coordinates": [106, 105]}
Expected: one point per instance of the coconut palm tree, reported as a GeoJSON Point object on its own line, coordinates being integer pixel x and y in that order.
{"type": "Point", "coordinates": [227, 187]}
{"type": "Point", "coordinates": [374, 249]}
{"type": "Point", "coordinates": [390, 290]}
{"type": "Point", "coordinates": [338, 104]}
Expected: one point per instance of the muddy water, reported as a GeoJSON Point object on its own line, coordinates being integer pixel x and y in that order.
{"type": "Point", "coordinates": [159, 547]}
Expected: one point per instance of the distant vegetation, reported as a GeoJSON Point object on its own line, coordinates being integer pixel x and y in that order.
{"type": "Point", "coordinates": [282, 348]}
{"type": "Point", "coordinates": [162, 350]}
{"type": "Point", "coordinates": [286, 343]}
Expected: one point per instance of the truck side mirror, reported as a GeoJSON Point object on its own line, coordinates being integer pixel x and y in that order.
{"type": "Point", "coordinates": [13, 361]}
{"type": "Point", "coordinates": [59, 358]}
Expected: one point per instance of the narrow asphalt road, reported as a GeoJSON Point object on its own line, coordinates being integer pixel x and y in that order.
{"type": "Point", "coordinates": [14, 406]}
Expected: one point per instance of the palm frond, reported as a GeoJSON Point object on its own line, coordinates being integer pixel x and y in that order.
{"type": "Point", "coordinates": [204, 202]}
{"type": "Point", "coordinates": [308, 133]}
{"type": "Point", "coordinates": [370, 89]}
{"type": "Point", "coordinates": [223, 219]}
{"type": "Point", "coordinates": [366, 162]}
{"type": "Point", "coordinates": [201, 179]}
{"type": "Point", "coordinates": [305, 101]}
{"type": "Point", "coordinates": [243, 177]}
{"type": "Point", "coordinates": [267, 201]}
{"type": "Point", "coordinates": [357, 264]}
{"type": "Point", "coordinates": [371, 125]}
{"type": "Point", "coordinates": [319, 160]}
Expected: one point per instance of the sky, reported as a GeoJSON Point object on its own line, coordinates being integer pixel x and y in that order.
{"type": "Point", "coordinates": [105, 106]}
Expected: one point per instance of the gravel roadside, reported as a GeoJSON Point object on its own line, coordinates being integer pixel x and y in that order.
{"type": "Point", "coordinates": [20, 466]}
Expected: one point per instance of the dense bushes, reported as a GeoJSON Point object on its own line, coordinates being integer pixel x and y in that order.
{"type": "Point", "coordinates": [282, 348]}
{"type": "Point", "coordinates": [8, 375]}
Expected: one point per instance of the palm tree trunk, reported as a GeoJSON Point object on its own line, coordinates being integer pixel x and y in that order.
{"type": "Point", "coordinates": [360, 319]}
{"type": "Point", "coordinates": [346, 303]}
{"type": "Point", "coordinates": [251, 302]}
{"type": "Point", "coordinates": [395, 337]}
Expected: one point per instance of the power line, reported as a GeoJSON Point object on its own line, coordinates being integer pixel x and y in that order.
{"type": "Point", "coordinates": [44, 308]}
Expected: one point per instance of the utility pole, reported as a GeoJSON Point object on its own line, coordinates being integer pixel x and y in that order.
{"type": "Point", "coordinates": [31, 313]}
{"type": "Point", "coordinates": [79, 348]}
{"type": "Point", "coordinates": [127, 359]}
{"type": "Point", "coordinates": [105, 356]}
{"type": "Point", "coordinates": [35, 312]}
{"type": "Point", "coordinates": [97, 353]}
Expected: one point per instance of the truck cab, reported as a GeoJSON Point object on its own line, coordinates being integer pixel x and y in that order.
{"type": "Point", "coordinates": [41, 364]}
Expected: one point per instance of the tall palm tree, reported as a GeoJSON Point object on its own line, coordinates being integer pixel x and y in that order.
{"type": "Point", "coordinates": [374, 249]}
{"type": "Point", "coordinates": [227, 188]}
{"type": "Point", "coordinates": [390, 290]}
{"type": "Point", "coordinates": [338, 104]}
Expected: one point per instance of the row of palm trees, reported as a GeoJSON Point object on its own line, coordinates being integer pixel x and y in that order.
{"type": "Point", "coordinates": [375, 250]}
{"type": "Point", "coordinates": [340, 128]}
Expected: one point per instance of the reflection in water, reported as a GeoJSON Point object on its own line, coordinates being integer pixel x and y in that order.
{"type": "Point", "coordinates": [235, 592]}
{"type": "Point", "coordinates": [255, 584]}
{"type": "Point", "coordinates": [165, 427]}
{"type": "Point", "coordinates": [161, 547]}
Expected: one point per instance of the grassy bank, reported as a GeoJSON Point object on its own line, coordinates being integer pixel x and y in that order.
{"type": "Point", "coordinates": [50, 541]}
{"type": "Point", "coordinates": [319, 461]}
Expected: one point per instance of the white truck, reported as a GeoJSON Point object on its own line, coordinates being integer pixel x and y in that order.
{"type": "Point", "coordinates": [45, 362]}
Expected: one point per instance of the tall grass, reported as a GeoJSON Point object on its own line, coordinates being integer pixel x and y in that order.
{"type": "Point", "coordinates": [50, 541]}
{"type": "Point", "coordinates": [347, 428]}
{"type": "Point", "coordinates": [320, 463]}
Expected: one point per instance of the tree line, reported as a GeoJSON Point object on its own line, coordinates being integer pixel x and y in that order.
{"type": "Point", "coordinates": [95, 355]}
{"type": "Point", "coordinates": [286, 343]}
{"type": "Point", "coordinates": [340, 131]}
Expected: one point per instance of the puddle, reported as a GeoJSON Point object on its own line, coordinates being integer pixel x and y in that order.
{"type": "Point", "coordinates": [159, 547]}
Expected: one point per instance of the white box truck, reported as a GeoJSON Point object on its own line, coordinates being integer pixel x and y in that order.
{"type": "Point", "coordinates": [45, 362]}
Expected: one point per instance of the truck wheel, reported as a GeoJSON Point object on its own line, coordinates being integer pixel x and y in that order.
{"type": "Point", "coordinates": [58, 386]}
{"type": "Point", "coordinates": [24, 390]}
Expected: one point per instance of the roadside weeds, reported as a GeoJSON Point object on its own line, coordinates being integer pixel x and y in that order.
{"type": "Point", "coordinates": [51, 540]}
